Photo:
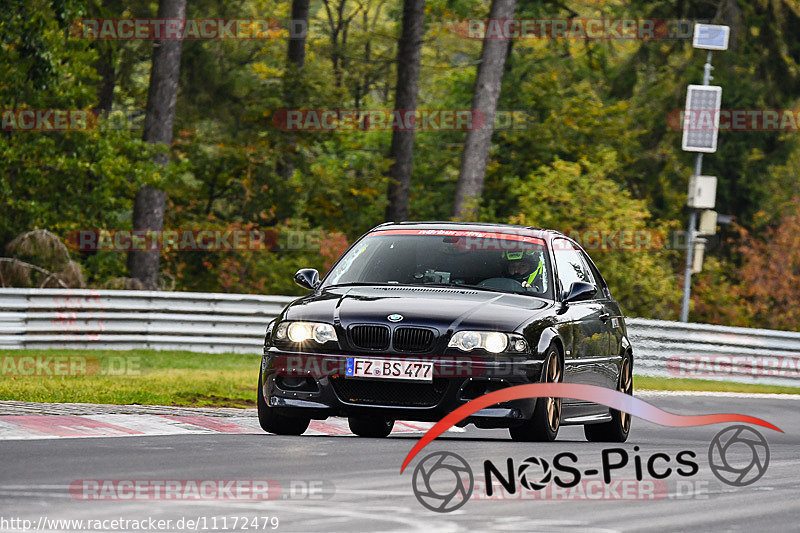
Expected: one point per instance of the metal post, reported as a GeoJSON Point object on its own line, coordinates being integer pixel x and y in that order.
{"type": "Point", "coordinates": [690, 237]}
{"type": "Point", "coordinates": [690, 233]}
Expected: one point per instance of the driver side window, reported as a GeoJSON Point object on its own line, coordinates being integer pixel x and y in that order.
{"type": "Point", "coordinates": [570, 266]}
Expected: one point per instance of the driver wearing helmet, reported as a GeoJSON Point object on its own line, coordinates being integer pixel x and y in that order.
{"type": "Point", "coordinates": [522, 267]}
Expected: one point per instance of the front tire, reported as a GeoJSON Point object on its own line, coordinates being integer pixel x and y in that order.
{"type": "Point", "coordinates": [375, 427]}
{"type": "Point", "coordinates": [619, 427]}
{"type": "Point", "coordinates": [543, 426]}
{"type": "Point", "coordinates": [273, 422]}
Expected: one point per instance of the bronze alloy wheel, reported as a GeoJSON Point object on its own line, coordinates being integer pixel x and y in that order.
{"type": "Point", "coordinates": [616, 429]}
{"type": "Point", "coordinates": [553, 405]}
{"type": "Point", "coordinates": [546, 419]}
{"type": "Point", "coordinates": [626, 387]}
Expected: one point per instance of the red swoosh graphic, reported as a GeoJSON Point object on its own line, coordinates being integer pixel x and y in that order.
{"type": "Point", "coordinates": [590, 393]}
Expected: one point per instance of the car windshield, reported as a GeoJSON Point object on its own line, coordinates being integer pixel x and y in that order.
{"type": "Point", "coordinates": [491, 261]}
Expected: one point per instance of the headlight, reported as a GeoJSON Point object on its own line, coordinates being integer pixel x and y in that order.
{"type": "Point", "coordinates": [303, 331]}
{"type": "Point", "coordinates": [495, 342]}
{"type": "Point", "coordinates": [518, 344]}
{"type": "Point", "coordinates": [300, 331]}
{"type": "Point", "coordinates": [468, 340]}
{"type": "Point", "coordinates": [491, 341]}
{"type": "Point", "coordinates": [323, 333]}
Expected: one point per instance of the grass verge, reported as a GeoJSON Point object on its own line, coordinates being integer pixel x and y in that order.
{"type": "Point", "coordinates": [143, 377]}
{"type": "Point", "coordinates": [148, 377]}
{"type": "Point", "coordinates": [681, 384]}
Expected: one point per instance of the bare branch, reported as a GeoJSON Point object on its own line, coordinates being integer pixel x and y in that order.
{"type": "Point", "coordinates": [36, 268]}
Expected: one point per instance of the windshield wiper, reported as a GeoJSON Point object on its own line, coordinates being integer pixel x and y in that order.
{"type": "Point", "coordinates": [463, 286]}
{"type": "Point", "coordinates": [358, 284]}
{"type": "Point", "coordinates": [483, 288]}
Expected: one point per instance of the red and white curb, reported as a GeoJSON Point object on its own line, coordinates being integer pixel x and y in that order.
{"type": "Point", "coordinates": [32, 427]}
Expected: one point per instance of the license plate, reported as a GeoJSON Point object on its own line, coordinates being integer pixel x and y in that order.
{"type": "Point", "coordinates": [400, 369]}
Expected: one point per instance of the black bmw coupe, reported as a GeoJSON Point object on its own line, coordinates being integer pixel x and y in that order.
{"type": "Point", "coordinates": [418, 318]}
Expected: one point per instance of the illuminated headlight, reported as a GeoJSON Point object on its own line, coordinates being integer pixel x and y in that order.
{"type": "Point", "coordinates": [495, 342]}
{"type": "Point", "coordinates": [300, 331]}
{"type": "Point", "coordinates": [303, 331]}
{"type": "Point", "coordinates": [491, 341]}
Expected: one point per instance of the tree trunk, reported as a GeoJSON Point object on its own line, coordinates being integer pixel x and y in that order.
{"type": "Point", "coordinates": [150, 203]}
{"type": "Point", "coordinates": [108, 79]}
{"type": "Point", "coordinates": [148, 214]}
{"type": "Point", "coordinates": [484, 100]}
{"type": "Point", "coordinates": [297, 43]}
{"type": "Point", "coordinates": [296, 54]}
{"type": "Point", "coordinates": [402, 149]}
{"type": "Point", "coordinates": [338, 27]}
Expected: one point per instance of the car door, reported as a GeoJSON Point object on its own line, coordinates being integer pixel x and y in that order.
{"type": "Point", "coordinates": [600, 367]}
{"type": "Point", "coordinates": [590, 340]}
{"type": "Point", "coordinates": [612, 309]}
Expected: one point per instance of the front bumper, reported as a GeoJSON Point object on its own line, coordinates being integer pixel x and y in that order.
{"type": "Point", "coordinates": [315, 387]}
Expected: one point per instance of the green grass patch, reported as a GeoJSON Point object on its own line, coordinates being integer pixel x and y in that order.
{"type": "Point", "coordinates": [148, 377]}
{"type": "Point", "coordinates": [143, 377]}
{"type": "Point", "coordinates": [678, 384]}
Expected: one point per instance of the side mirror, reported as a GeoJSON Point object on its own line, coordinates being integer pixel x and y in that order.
{"type": "Point", "coordinates": [579, 291]}
{"type": "Point", "coordinates": [307, 278]}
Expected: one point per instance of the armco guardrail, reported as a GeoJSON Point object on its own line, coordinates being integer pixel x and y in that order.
{"type": "Point", "coordinates": [126, 320]}
{"type": "Point", "coordinates": [704, 351]}
{"type": "Point", "coordinates": [224, 323]}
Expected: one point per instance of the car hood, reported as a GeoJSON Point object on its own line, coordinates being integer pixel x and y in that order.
{"type": "Point", "coordinates": [442, 308]}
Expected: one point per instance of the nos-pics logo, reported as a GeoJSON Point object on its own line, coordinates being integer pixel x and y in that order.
{"type": "Point", "coordinates": [443, 481]}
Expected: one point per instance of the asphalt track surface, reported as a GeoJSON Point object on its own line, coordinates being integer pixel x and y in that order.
{"type": "Point", "coordinates": [345, 483]}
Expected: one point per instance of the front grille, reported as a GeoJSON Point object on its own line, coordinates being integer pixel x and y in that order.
{"type": "Point", "coordinates": [370, 337]}
{"type": "Point", "coordinates": [374, 392]}
{"type": "Point", "coordinates": [412, 339]}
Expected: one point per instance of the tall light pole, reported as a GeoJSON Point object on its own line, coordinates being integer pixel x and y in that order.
{"type": "Point", "coordinates": [700, 129]}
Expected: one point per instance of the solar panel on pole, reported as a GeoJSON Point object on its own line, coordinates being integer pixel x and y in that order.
{"type": "Point", "coordinates": [701, 118]}
{"type": "Point", "coordinates": [711, 37]}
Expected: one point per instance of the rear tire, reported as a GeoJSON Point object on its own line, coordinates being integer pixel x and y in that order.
{"type": "Point", "coordinates": [273, 422]}
{"type": "Point", "coordinates": [543, 426]}
{"type": "Point", "coordinates": [375, 427]}
{"type": "Point", "coordinates": [619, 427]}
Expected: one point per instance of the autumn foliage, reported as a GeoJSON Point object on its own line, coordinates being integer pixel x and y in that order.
{"type": "Point", "coordinates": [770, 275]}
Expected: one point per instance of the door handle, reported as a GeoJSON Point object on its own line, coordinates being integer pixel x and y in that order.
{"type": "Point", "coordinates": [605, 316]}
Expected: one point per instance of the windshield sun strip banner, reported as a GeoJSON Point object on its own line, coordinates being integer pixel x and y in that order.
{"type": "Point", "coordinates": [459, 233]}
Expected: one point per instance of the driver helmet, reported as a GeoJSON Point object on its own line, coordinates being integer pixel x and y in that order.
{"type": "Point", "coordinates": [521, 264]}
